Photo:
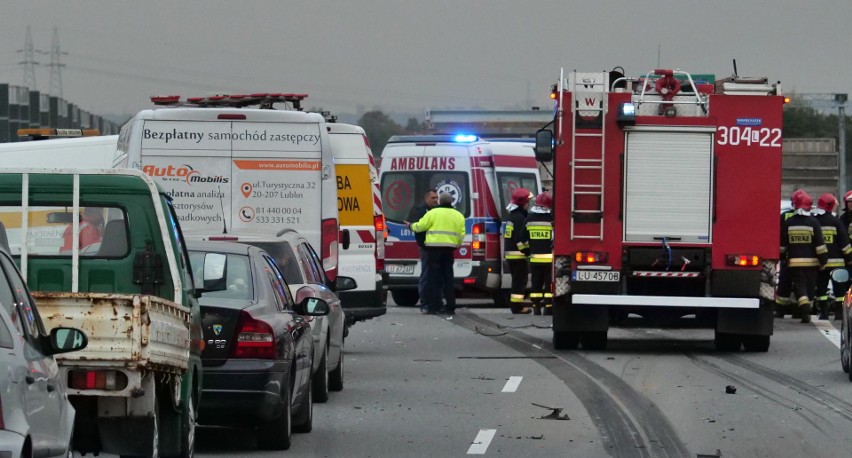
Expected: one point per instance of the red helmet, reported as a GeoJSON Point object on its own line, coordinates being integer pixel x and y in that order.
{"type": "Point", "coordinates": [827, 202]}
{"type": "Point", "coordinates": [802, 200]}
{"type": "Point", "coordinates": [521, 196]}
{"type": "Point", "coordinates": [543, 200]}
{"type": "Point", "coordinates": [848, 196]}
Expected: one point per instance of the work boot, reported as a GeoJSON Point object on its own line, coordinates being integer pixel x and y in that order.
{"type": "Point", "coordinates": [548, 310]}
{"type": "Point", "coordinates": [805, 311]}
{"type": "Point", "coordinates": [822, 306]}
{"type": "Point", "coordinates": [522, 311]}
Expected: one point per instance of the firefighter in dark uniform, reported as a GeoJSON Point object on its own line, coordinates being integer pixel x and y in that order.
{"type": "Point", "coordinates": [839, 256]}
{"type": "Point", "coordinates": [540, 232]}
{"type": "Point", "coordinates": [803, 248]}
{"type": "Point", "coordinates": [516, 249]}
{"type": "Point", "coordinates": [846, 216]}
{"type": "Point", "coordinates": [783, 303]}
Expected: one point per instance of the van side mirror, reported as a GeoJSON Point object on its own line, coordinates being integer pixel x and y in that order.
{"type": "Point", "coordinates": [344, 284]}
{"type": "Point", "coordinates": [544, 145]}
{"type": "Point", "coordinates": [63, 340]}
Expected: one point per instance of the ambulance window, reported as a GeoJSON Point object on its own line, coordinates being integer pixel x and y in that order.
{"type": "Point", "coordinates": [399, 194]}
{"type": "Point", "coordinates": [510, 181]}
{"type": "Point", "coordinates": [455, 184]}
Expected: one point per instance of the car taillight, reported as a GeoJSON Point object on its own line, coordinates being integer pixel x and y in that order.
{"type": "Point", "coordinates": [97, 380]}
{"type": "Point", "coordinates": [478, 240]}
{"type": "Point", "coordinates": [590, 257]}
{"type": "Point", "coordinates": [328, 250]}
{"type": "Point", "coordinates": [744, 260]}
{"type": "Point", "coordinates": [255, 339]}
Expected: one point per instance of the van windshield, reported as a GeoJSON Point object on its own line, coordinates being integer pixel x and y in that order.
{"type": "Point", "coordinates": [509, 182]}
{"type": "Point", "coordinates": [403, 191]}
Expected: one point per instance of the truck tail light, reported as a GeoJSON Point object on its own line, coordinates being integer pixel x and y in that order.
{"type": "Point", "coordinates": [743, 260]}
{"type": "Point", "coordinates": [478, 240]}
{"type": "Point", "coordinates": [379, 247]}
{"type": "Point", "coordinates": [590, 257]}
{"type": "Point", "coordinates": [97, 380]}
{"type": "Point", "coordinates": [328, 251]}
{"type": "Point", "coordinates": [255, 339]}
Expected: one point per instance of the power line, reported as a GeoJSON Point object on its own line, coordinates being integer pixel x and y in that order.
{"type": "Point", "coordinates": [29, 61]}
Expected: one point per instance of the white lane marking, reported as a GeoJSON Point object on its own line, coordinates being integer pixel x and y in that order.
{"type": "Point", "coordinates": [482, 441]}
{"type": "Point", "coordinates": [828, 330]}
{"type": "Point", "coordinates": [513, 384]}
{"type": "Point", "coordinates": [536, 346]}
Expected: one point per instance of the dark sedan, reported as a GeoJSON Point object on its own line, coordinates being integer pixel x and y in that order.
{"type": "Point", "coordinates": [258, 348]}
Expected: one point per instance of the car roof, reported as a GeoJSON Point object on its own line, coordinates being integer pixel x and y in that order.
{"type": "Point", "coordinates": [220, 247]}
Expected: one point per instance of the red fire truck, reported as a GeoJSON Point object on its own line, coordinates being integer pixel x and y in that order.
{"type": "Point", "coordinates": [665, 202]}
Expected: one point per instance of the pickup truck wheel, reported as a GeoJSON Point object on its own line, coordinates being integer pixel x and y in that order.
{"type": "Point", "coordinates": [335, 377]}
{"type": "Point", "coordinates": [319, 381]}
{"type": "Point", "coordinates": [277, 434]}
{"type": "Point", "coordinates": [187, 434]}
{"type": "Point", "coordinates": [304, 419]}
{"type": "Point", "coordinates": [154, 451]}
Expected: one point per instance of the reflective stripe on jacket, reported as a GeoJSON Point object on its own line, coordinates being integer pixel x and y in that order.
{"type": "Point", "coordinates": [444, 227]}
{"type": "Point", "coordinates": [802, 243]}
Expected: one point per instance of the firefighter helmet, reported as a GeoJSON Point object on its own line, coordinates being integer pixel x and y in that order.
{"type": "Point", "coordinates": [826, 202]}
{"type": "Point", "coordinates": [802, 200]}
{"type": "Point", "coordinates": [521, 196]}
{"type": "Point", "coordinates": [848, 196]}
{"type": "Point", "coordinates": [543, 200]}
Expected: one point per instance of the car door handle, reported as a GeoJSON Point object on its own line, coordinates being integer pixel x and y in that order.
{"type": "Point", "coordinates": [29, 379]}
{"type": "Point", "coordinates": [51, 388]}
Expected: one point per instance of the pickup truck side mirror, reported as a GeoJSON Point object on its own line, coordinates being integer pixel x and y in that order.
{"type": "Point", "coordinates": [63, 340]}
{"type": "Point", "coordinates": [312, 306]}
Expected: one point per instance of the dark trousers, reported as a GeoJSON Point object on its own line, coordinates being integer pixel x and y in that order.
{"type": "Point", "coordinates": [519, 269]}
{"type": "Point", "coordinates": [439, 279]}
{"type": "Point", "coordinates": [803, 284]}
{"type": "Point", "coordinates": [421, 283]}
{"type": "Point", "coordinates": [541, 274]}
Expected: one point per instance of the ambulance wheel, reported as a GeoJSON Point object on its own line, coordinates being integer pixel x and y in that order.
{"type": "Point", "coordinates": [756, 343]}
{"type": "Point", "coordinates": [566, 340]}
{"type": "Point", "coordinates": [405, 297]}
{"type": "Point", "coordinates": [727, 342]}
{"type": "Point", "coordinates": [594, 340]}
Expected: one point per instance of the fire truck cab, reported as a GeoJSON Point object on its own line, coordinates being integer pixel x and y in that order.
{"type": "Point", "coordinates": [665, 204]}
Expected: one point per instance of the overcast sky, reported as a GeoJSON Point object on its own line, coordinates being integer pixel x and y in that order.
{"type": "Point", "coordinates": [410, 55]}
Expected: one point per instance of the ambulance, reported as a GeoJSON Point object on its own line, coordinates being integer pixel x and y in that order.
{"type": "Point", "coordinates": [481, 176]}
{"type": "Point", "coordinates": [235, 165]}
{"type": "Point", "coordinates": [361, 247]}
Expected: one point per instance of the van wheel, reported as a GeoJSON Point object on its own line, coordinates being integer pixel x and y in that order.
{"type": "Point", "coordinates": [405, 297]}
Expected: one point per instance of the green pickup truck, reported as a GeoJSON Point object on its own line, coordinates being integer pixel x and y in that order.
{"type": "Point", "coordinates": [102, 250]}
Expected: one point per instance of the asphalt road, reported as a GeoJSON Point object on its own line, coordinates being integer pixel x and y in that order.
{"type": "Point", "coordinates": [419, 385]}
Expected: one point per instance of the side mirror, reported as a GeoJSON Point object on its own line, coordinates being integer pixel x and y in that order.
{"type": "Point", "coordinates": [313, 306]}
{"type": "Point", "coordinates": [215, 272]}
{"type": "Point", "coordinates": [345, 238]}
{"type": "Point", "coordinates": [344, 283]}
{"type": "Point", "coordinates": [544, 145]}
{"type": "Point", "coordinates": [63, 340]}
{"type": "Point", "coordinates": [840, 276]}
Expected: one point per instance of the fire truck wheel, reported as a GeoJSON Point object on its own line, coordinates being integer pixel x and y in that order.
{"type": "Point", "coordinates": [727, 342]}
{"type": "Point", "coordinates": [565, 340]}
{"type": "Point", "coordinates": [501, 298]}
{"type": "Point", "coordinates": [594, 340]}
{"type": "Point", "coordinates": [756, 343]}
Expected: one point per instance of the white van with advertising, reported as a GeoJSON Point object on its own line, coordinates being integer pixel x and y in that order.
{"type": "Point", "coordinates": [237, 171]}
{"type": "Point", "coordinates": [480, 175]}
{"type": "Point", "coordinates": [362, 236]}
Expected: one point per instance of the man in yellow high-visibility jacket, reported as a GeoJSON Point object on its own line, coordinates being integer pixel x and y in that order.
{"type": "Point", "coordinates": [444, 228]}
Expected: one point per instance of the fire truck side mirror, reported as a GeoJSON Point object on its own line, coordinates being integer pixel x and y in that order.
{"type": "Point", "coordinates": [544, 145]}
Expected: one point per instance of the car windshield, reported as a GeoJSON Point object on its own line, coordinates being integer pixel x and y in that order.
{"type": "Point", "coordinates": [237, 276]}
{"type": "Point", "coordinates": [283, 255]}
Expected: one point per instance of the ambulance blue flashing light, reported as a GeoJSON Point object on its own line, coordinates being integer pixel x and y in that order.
{"type": "Point", "coordinates": [462, 138]}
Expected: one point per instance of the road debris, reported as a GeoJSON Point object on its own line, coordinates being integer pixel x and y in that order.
{"type": "Point", "coordinates": [555, 415]}
{"type": "Point", "coordinates": [731, 389]}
